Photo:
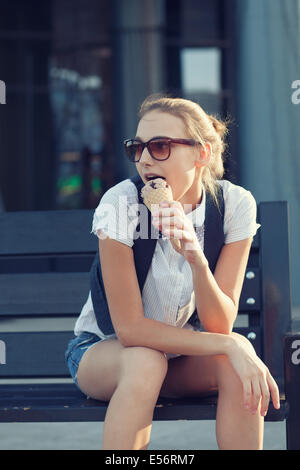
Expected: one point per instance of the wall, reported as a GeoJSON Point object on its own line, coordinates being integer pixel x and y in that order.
{"type": "Point", "coordinates": [268, 43]}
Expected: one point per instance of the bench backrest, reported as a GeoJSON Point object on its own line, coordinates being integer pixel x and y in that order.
{"type": "Point", "coordinates": [45, 259]}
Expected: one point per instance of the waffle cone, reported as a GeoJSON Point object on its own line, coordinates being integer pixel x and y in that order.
{"type": "Point", "coordinates": [152, 196]}
{"type": "Point", "coordinates": [157, 195]}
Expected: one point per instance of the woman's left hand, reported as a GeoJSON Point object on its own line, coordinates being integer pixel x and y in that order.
{"type": "Point", "coordinates": [172, 221]}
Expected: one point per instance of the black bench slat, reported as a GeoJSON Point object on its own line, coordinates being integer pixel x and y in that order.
{"type": "Point", "coordinates": [35, 354]}
{"type": "Point", "coordinates": [15, 392]}
{"type": "Point", "coordinates": [71, 262]}
{"type": "Point", "coordinates": [43, 293]}
{"type": "Point", "coordinates": [64, 403]}
{"type": "Point", "coordinates": [65, 293]}
{"type": "Point", "coordinates": [41, 354]}
{"type": "Point", "coordinates": [34, 232]}
{"type": "Point", "coordinates": [46, 232]}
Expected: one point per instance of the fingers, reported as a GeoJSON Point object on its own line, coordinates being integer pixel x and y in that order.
{"type": "Point", "coordinates": [178, 234]}
{"type": "Point", "coordinates": [274, 390]}
{"type": "Point", "coordinates": [247, 393]}
{"type": "Point", "coordinates": [265, 397]}
{"type": "Point", "coordinates": [173, 223]}
{"type": "Point", "coordinates": [171, 220]}
{"type": "Point", "coordinates": [171, 214]}
{"type": "Point", "coordinates": [167, 211]}
{"type": "Point", "coordinates": [257, 391]}
{"type": "Point", "coordinates": [256, 394]}
{"type": "Point", "coordinates": [173, 227]}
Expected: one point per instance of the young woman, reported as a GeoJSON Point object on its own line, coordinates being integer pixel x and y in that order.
{"type": "Point", "coordinates": [154, 349]}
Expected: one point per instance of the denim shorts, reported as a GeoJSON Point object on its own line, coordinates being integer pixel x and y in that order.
{"type": "Point", "coordinates": [79, 345]}
{"type": "Point", "coordinates": [76, 349]}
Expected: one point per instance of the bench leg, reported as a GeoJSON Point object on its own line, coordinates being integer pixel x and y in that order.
{"type": "Point", "coordinates": [292, 389]}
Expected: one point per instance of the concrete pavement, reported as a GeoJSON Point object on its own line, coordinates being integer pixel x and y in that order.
{"type": "Point", "coordinates": [175, 435]}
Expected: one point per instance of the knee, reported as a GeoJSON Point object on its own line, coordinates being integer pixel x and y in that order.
{"type": "Point", "coordinates": [226, 372]}
{"type": "Point", "coordinates": [227, 378]}
{"type": "Point", "coordinates": [143, 369]}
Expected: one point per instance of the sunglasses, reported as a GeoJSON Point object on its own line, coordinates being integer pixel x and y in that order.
{"type": "Point", "coordinates": [158, 147]}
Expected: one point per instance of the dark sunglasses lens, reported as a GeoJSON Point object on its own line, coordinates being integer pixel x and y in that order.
{"type": "Point", "coordinates": [133, 150]}
{"type": "Point", "coordinates": [159, 148]}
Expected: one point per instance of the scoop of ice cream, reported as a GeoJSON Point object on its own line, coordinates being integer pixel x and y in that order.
{"type": "Point", "coordinates": [155, 191]}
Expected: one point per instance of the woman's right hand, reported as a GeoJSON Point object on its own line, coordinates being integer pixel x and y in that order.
{"type": "Point", "coordinates": [257, 381]}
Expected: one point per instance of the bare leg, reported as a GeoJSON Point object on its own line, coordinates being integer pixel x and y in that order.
{"type": "Point", "coordinates": [130, 378]}
{"type": "Point", "coordinates": [236, 427]}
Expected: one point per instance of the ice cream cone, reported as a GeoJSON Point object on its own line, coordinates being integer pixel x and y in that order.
{"type": "Point", "coordinates": [155, 191]}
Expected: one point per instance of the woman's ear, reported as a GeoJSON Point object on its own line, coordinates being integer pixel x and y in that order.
{"type": "Point", "coordinates": [206, 151]}
{"type": "Point", "coordinates": [204, 154]}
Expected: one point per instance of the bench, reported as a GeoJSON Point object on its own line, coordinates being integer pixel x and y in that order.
{"type": "Point", "coordinates": [45, 259]}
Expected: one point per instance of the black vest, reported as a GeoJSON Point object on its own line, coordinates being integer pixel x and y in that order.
{"type": "Point", "coordinates": [143, 250]}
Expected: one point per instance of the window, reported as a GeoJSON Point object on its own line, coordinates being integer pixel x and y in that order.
{"type": "Point", "coordinates": [200, 59]}
{"type": "Point", "coordinates": [56, 125]}
{"type": "Point", "coordinates": [81, 111]}
{"type": "Point", "coordinates": [201, 77]}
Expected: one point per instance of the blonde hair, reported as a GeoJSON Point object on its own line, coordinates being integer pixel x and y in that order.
{"type": "Point", "coordinates": [201, 127]}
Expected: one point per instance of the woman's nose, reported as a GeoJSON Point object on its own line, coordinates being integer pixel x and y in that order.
{"type": "Point", "coordinates": [145, 156]}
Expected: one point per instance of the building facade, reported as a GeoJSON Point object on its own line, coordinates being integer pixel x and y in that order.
{"type": "Point", "coordinates": [75, 72]}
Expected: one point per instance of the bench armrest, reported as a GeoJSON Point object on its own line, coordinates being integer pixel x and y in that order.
{"type": "Point", "coordinates": [292, 388]}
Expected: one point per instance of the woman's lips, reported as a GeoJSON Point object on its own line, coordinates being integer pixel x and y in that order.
{"type": "Point", "coordinates": [151, 176]}
{"type": "Point", "coordinates": [155, 183]}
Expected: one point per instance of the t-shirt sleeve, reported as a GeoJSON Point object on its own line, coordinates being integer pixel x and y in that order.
{"type": "Point", "coordinates": [240, 215]}
{"type": "Point", "coordinates": [115, 216]}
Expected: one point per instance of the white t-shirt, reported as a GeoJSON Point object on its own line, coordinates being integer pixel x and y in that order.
{"type": "Point", "coordinates": [168, 294]}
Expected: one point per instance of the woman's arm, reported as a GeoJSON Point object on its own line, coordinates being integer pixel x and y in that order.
{"type": "Point", "coordinates": [217, 296]}
{"type": "Point", "coordinates": [127, 313]}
